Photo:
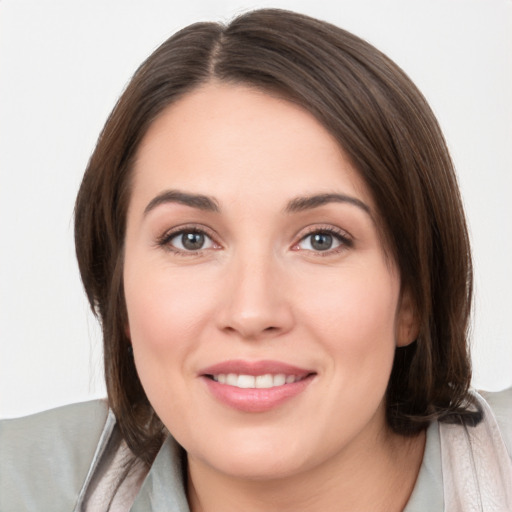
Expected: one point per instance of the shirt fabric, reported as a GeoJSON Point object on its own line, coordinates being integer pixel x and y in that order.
{"type": "Point", "coordinates": [73, 459]}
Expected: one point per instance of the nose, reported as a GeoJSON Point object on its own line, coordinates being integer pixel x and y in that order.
{"type": "Point", "coordinates": [255, 302]}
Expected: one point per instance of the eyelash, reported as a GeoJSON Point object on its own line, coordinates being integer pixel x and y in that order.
{"type": "Point", "coordinates": [164, 241]}
{"type": "Point", "coordinates": [341, 236]}
{"type": "Point", "coordinates": [344, 239]}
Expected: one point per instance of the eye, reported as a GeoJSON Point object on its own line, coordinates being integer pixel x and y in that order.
{"type": "Point", "coordinates": [324, 240]}
{"type": "Point", "coordinates": [189, 240]}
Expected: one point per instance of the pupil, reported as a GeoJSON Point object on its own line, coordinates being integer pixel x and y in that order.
{"type": "Point", "coordinates": [321, 241]}
{"type": "Point", "coordinates": [192, 241]}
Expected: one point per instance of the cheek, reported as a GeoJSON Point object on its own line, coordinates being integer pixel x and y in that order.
{"type": "Point", "coordinates": [169, 318]}
{"type": "Point", "coordinates": [356, 307]}
{"type": "Point", "coordinates": [164, 322]}
{"type": "Point", "coordinates": [163, 310]}
{"type": "Point", "coordinates": [354, 320]}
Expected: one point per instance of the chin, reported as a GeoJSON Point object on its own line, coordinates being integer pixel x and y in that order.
{"type": "Point", "coordinates": [260, 468]}
{"type": "Point", "coordinates": [256, 460]}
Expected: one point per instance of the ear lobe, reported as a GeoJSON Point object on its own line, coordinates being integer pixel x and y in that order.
{"type": "Point", "coordinates": [407, 325]}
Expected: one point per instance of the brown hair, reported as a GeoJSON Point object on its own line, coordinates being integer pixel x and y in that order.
{"type": "Point", "coordinates": [385, 126]}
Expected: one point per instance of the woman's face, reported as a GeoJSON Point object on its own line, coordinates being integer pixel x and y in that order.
{"type": "Point", "coordinates": [263, 311]}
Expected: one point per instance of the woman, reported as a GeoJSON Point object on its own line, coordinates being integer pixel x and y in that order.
{"type": "Point", "coordinates": [271, 234]}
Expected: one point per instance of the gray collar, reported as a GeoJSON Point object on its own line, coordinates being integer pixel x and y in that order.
{"type": "Point", "coordinates": [428, 490]}
{"type": "Point", "coordinates": [163, 488]}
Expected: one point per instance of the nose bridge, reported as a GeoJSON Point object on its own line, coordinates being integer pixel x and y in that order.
{"type": "Point", "coordinates": [256, 303]}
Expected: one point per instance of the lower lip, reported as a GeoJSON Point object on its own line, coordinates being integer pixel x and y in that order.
{"type": "Point", "coordinates": [256, 399]}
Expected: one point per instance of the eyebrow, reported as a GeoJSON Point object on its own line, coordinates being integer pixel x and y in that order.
{"type": "Point", "coordinates": [210, 204]}
{"type": "Point", "coordinates": [198, 201]}
{"type": "Point", "coordinates": [300, 204]}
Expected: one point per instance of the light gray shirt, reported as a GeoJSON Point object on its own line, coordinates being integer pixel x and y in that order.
{"type": "Point", "coordinates": [73, 459]}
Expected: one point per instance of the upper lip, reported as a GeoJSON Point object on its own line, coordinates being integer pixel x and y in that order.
{"type": "Point", "coordinates": [255, 368]}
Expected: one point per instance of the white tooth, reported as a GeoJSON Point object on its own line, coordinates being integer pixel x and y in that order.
{"type": "Point", "coordinates": [264, 381]}
{"type": "Point", "coordinates": [221, 378]}
{"type": "Point", "coordinates": [279, 379]}
{"type": "Point", "coordinates": [290, 379]}
{"type": "Point", "coordinates": [246, 381]}
{"type": "Point", "coordinates": [232, 379]}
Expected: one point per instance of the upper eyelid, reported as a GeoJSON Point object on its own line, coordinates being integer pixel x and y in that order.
{"type": "Point", "coordinates": [319, 228]}
{"type": "Point", "coordinates": [169, 234]}
{"type": "Point", "coordinates": [189, 227]}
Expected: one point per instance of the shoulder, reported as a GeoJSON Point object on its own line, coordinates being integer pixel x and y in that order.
{"type": "Point", "coordinates": [46, 456]}
{"type": "Point", "coordinates": [501, 405]}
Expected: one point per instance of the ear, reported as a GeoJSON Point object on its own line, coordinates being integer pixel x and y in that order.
{"type": "Point", "coordinates": [407, 321]}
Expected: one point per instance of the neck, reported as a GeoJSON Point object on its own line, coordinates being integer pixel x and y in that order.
{"type": "Point", "coordinates": [377, 476]}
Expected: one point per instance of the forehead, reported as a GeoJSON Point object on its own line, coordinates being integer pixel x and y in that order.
{"type": "Point", "coordinates": [226, 139]}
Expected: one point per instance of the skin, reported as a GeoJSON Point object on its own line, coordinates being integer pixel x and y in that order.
{"type": "Point", "coordinates": [259, 290]}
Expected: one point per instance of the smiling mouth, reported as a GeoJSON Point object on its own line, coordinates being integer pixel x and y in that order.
{"type": "Point", "coordinates": [256, 386]}
{"type": "Point", "coordinates": [265, 381]}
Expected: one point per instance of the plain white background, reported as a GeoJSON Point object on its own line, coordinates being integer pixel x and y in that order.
{"type": "Point", "coordinates": [64, 63]}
